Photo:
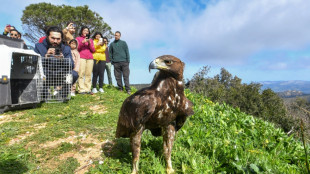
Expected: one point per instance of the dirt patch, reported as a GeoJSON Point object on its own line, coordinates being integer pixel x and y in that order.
{"type": "Point", "coordinates": [84, 155]}
{"type": "Point", "coordinates": [10, 117]}
{"type": "Point", "coordinates": [27, 134]}
{"type": "Point", "coordinates": [39, 126]}
{"type": "Point", "coordinates": [83, 113]}
{"type": "Point", "coordinates": [20, 138]}
{"type": "Point", "coordinates": [99, 109]}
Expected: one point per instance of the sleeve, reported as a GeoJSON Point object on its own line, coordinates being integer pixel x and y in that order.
{"type": "Point", "coordinates": [99, 48]}
{"type": "Point", "coordinates": [39, 49]}
{"type": "Point", "coordinates": [36, 49]}
{"type": "Point", "coordinates": [67, 54]}
{"type": "Point", "coordinates": [79, 43]}
{"type": "Point", "coordinates": [127, 53]}
{"type": "Point", "coordinates": [111, 52]}
{"type": "Point", "coordinates": [91, 46]}
{"type": "Point", "coordinates": [65, 31]}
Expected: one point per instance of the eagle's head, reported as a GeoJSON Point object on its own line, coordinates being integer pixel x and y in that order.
{"type": "Point", "coordinates": [169, 64]}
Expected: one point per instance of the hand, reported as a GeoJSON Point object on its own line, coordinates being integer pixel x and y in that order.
{"type": "Point", "coordinates": [85, 40]}
{"type": "Point", "coordinates": [59, 56]}
{"type": "Point", "coordinates": [69, 26]}
{"type": "Point", "coordinates": [51, 51]}
{"type": "Point", "coordinates": [7, 29]}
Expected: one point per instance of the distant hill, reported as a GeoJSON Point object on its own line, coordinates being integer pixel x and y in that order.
{"type": "Point", "coordinates": [140, 86]}
{"type": "Point", "coordinates": [298, 86]}
{"type": "Point", "coordinates": [291, 94]}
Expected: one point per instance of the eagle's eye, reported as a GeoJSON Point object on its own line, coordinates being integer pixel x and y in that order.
{"type": "Point", "coordinates": [168, 62]}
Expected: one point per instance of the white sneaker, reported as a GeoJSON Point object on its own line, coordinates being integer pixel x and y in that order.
{"type": "Point", "coordinates": [94, 90]}
{"type": "Point", "coordinates": [72, 94]}
{"type": "Point", "coordinates": [101, 90]}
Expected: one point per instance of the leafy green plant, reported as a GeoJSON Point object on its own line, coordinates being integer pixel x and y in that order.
{"type": "Point", "coordinates": [216, 139]}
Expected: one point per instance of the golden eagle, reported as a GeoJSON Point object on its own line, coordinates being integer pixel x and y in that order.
{"type": "Point", "coordinates": [162, 108]}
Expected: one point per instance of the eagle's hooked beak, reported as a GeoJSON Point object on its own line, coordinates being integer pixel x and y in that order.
{"type": "Point", "coordinates": [152, 65]}
{"type": "Point", "coordinates": [157, 64]}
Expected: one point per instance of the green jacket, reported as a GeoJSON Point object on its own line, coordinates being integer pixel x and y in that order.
{"type": "Point", "coordinates": [118, 51]}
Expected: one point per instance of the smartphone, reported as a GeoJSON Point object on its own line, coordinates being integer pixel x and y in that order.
{"type": "Point", "coordinates": [87, 36]}
{"type": "Point", "coordinates": [57, 51]}
{"type": "Point", "coordinates": [100, 40]}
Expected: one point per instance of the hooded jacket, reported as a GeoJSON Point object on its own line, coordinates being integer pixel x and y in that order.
{"type": "Point", "coordinates": [85, 49]}
{"type": "Point", "coordinates": [41, 48]}
{"type": "Point", "coordinates": [76, 58]}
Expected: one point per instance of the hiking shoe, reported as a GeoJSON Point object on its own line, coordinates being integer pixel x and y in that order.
{"type": "Point", "coordinates": [94, 90]}
{"type": "Point", "coordinates": [72, 94]}
{"type": "Point", "coordinates": [101, 90]}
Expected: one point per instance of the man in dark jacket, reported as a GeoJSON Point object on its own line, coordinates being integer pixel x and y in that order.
{"type": "Point", "coordinates": [119, 55]}
{"type": "Point", "coordinates": [52, 46]}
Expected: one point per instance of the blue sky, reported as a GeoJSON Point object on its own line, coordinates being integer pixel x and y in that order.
{"type": "Point", "coordinates": [257, 40]}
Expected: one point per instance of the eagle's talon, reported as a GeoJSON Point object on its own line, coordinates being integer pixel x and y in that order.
{"type": "Point", "coordinates": [170, 170]}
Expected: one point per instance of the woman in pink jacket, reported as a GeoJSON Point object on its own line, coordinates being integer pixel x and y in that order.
{"type": "Point", "coordinates": [85, 48]}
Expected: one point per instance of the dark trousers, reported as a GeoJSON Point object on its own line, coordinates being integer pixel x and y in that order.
{"type": "Point", "coordinates": [98, 70]}
{"type": "Point", "coordinates": [122, 69]}
{"type": "Point", "coordinates": [75, 76]}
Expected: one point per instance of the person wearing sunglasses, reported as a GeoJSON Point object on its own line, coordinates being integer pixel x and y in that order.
{"type": "Point", "coordinates": [14, 34]}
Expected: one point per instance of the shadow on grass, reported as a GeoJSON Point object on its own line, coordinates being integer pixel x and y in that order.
{"type": "Point", "coordinates": [12, 166]}
{"type": "Point", "coordinates": [120, 148]}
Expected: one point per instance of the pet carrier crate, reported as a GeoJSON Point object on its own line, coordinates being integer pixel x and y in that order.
{"type": "Point", "coordinates": [58, 80]}
{"type": "Point", "coordinates": [19, 75]}
{"type": "Point", "coordinates": [26, 78]}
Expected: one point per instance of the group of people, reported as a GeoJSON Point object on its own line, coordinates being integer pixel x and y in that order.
{"type": "Point", "coordinates": [90, 56]}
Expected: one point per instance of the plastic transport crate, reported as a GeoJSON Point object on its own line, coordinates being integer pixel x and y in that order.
{"type": "Point", "coordinates": [27, 79]}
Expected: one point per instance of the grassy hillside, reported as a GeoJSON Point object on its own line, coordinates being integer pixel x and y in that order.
{"type": "Point", "coordinates": [78, 136]}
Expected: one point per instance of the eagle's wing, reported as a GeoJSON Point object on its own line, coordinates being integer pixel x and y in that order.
{"type": "Point", "coordinates": [135, 111]}
{"type": "Point", "coordinates": [185, 111]}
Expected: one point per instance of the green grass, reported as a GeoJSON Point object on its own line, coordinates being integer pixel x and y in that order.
{"type": "Point", "coordinates": [216, 139]}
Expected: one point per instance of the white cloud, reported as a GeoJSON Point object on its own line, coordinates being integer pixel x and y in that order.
{"type": "Point", "coordinates": [226, 32]}
{"type": "Point", "coordinates": [232, 31]}
{"type": "Point", "coordinates": [223, 33]}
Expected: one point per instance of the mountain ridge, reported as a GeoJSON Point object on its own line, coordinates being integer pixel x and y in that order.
{"type": "Point", "coordinates": [290, 85]}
